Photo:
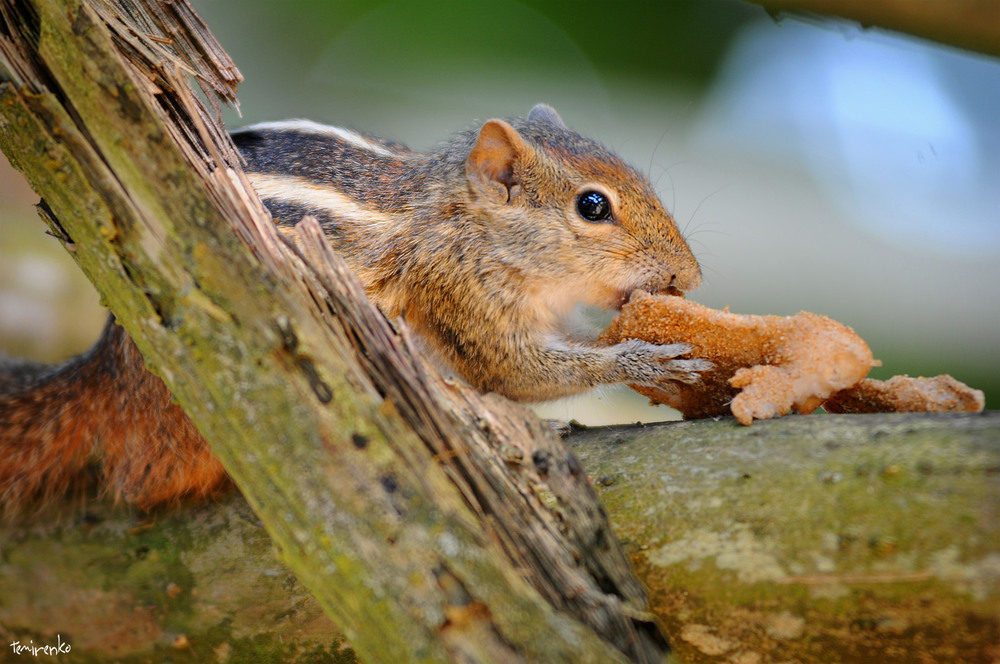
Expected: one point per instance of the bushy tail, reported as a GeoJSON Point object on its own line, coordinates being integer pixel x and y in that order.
{"type": "Point", "coordinates": [100, 410]}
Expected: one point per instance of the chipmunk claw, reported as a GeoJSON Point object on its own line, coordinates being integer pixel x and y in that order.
{"type": "Point", "coordinates": [654, 364]}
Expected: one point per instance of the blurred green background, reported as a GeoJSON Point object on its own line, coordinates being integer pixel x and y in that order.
{"type": "Point", "coordinates": [812, 165]}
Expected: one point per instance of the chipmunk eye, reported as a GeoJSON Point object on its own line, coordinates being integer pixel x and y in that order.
{"type": "Point", "coordinates": [594, 206]}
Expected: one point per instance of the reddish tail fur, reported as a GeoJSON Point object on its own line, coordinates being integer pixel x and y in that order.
{"type": "Point", "coordinates": [101, 409]}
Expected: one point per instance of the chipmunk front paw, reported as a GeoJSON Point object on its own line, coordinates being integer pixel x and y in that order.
{"type": "Point", "coordinates": [652, 364]}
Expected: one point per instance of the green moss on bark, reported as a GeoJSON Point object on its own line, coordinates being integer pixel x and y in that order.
{"type": "Point", "coordinates": [813, 538]}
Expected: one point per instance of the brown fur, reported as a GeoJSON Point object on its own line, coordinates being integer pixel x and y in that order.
{"type": "Point", "coordinates": [102, 410]}
{"type": "Point", "coordinates": [479, 244]}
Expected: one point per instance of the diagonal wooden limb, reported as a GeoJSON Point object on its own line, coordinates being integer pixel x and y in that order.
{"type": "Point", "coordinates": [430, 522]}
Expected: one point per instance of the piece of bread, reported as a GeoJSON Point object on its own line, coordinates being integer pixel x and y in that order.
{"type": "Point", "coordinates": [767, 366]}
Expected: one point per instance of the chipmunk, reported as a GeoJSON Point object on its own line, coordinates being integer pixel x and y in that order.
{"type": "Point", "coordinates": [485, 246]}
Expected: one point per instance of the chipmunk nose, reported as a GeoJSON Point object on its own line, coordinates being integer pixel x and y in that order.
{"type": "Point", "coordinates": [669, 283]}
{"type": "Point", "coordinates": [687, 278]}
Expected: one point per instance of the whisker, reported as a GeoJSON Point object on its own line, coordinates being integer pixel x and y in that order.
{"type": "Point", "coordinates": [703, 201]}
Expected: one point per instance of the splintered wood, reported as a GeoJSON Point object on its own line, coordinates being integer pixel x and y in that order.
{"type": "Point", "coordinates": [768, 366]}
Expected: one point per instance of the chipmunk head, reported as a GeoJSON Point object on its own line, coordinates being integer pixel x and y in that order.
{"type": "Point", "coordinates": [577, 211]}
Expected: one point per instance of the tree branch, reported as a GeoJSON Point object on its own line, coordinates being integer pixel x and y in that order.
{"type": "Point", "coordinates": [809, 538]}
{"type": "Point", "coordinates": [430, 523]}
{"type": "Point", "coordinates": [968, 24]}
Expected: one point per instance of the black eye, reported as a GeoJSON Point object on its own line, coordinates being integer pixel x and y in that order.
{"type": "Point", "coordinates": [594, 206]}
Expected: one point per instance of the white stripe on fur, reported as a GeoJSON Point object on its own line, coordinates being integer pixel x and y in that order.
{"type": "Point", "coordinates": [300, 191]}
{"type": "Point", "coordinates": [317, 129]}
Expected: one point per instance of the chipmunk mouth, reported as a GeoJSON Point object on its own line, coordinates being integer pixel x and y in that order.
{"type": "Point", "coordinates": [620, 298]}
{"type": "Point", "coordinates": [670, 290]}
{"type": "Point", "coordinates": [623, 296]}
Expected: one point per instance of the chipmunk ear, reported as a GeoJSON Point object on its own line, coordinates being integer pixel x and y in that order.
{"type": "Point", "coordinates": [547, 114]}
{"type": "Point", "coordinates": [490, 165]}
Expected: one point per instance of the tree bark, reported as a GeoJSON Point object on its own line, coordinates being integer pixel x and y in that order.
{"type": "Point", "coordinates": [823, 538]}
{"type": "Point", "coordinates": [813, 539]}
{"type": "Point", "coordinates": [430, 522]}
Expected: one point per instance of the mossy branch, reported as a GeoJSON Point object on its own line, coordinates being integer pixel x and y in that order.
{"type": "Point", "coordinates": [813, 539]}
{"type": "Point", "coordinates": [413, 509]}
